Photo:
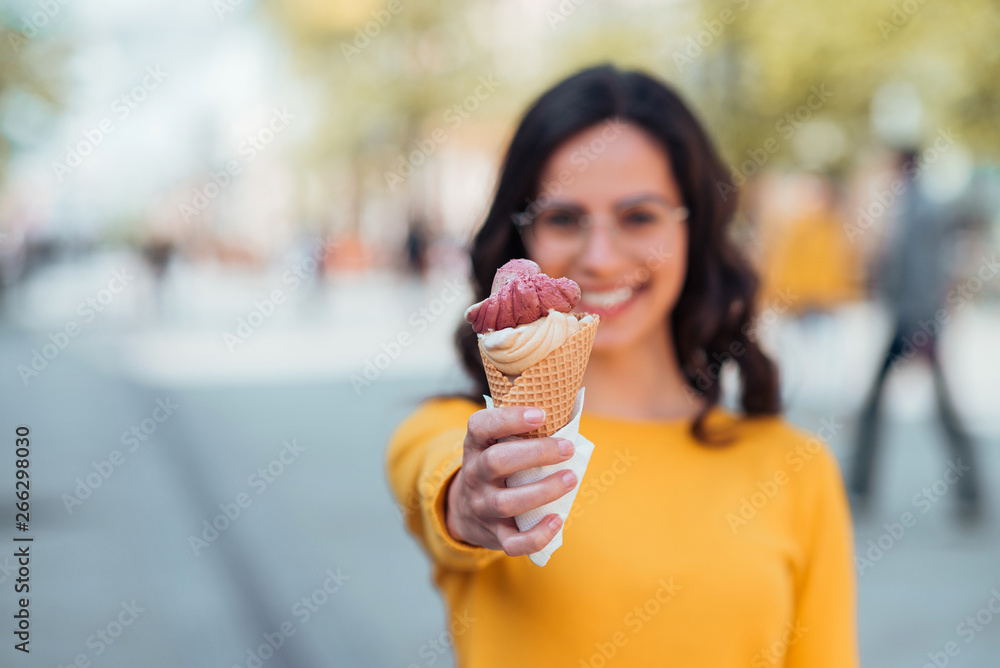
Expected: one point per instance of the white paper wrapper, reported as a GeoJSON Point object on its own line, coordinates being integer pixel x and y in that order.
{"type": "Point", "coordinates": [561, 506]}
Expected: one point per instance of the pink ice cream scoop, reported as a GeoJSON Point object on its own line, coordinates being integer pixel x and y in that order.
{"type": "Point", "coordinates": [521, 294]}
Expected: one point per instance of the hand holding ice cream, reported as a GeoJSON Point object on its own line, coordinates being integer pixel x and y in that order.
{"type": "Point", "coordinates": [534, 353]}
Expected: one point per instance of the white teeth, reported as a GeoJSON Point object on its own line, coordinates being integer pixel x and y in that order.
{"type": "Point", "coordinates": [609, 298]}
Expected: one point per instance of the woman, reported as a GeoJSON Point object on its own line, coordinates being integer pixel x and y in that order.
{"type": "Point", "coordinates": [698, 537]}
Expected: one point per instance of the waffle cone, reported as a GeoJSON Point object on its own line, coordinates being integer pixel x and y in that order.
{"type": "Point", "coordinates": [552, 384]}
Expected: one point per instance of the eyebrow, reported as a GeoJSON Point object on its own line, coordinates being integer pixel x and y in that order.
{"type": "Point", "coordinates": [642, 198]}
{"type": "Point", "coordinates": [624, 203]}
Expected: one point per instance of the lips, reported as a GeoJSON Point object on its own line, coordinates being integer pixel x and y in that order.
{"type": "Point", "coordinates": [607, 303]}
{"type": "Point", "coordinates": [608, 298]}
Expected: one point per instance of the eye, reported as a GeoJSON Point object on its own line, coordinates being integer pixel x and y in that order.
{"type": "Point", "coordinates": [559, 218]}
{"type": "Point", "coordinates": [639, 217]}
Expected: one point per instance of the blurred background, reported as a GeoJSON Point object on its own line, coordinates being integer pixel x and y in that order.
{"type": "Point", "coordinates": [231, 261]}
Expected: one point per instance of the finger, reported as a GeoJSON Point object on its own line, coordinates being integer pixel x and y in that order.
{"type": "Point", "coordinates": [517, 543]}
{"type": "Point", "coordinates": [504, 459]}
{"type": "Point", "coordinates": [489, 425]}
{"type": "Point", "coordinates": [513, 501]}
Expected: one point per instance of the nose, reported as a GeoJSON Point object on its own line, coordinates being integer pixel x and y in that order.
{"type": "Point", "coordinates": [601, 255]}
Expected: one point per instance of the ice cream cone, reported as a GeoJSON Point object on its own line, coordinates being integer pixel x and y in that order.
{"type": "Point", "coordinates": [552, 384]}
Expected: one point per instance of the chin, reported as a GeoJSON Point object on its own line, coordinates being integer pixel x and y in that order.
{"type": "Point", "coordinates": [616, 337]}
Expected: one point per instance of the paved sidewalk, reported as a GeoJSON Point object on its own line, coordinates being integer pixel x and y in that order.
{"type": "Point", "coordinates": [277, 433]}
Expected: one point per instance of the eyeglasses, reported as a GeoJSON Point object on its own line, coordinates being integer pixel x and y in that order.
{"type": "Point", "coordinates": [565, 229]}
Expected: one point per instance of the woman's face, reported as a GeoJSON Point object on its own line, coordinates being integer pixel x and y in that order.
{"type": "Point", "coordinates": [616, 176]}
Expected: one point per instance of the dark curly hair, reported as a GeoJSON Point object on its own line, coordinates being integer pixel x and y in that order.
{"type": "Point", "coordinates": [711, 321]}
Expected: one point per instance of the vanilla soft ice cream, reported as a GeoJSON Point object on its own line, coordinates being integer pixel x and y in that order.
{"type": "Point", "coordinates": [514, 349]}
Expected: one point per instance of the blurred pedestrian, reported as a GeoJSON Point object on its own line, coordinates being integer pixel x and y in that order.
{"type": "Point", "coordinates": [416, 248]}
{"type": "Point", "coordinates": [914, 276]}
{"type": "Point", "coordinates": [700, 536]}
{"type": "Point", "coordinates": [811, 260]}
{"type": "Point", "coordinates": [157, 252]}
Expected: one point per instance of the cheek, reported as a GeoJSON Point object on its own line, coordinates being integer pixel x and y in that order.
{"type": "Point", "coordinates": [665, 288]}
{"type": "Point", "coordinates": [672, 279]}
{"type": "Point", "coordinates": [666, 279]}
{"type": "Point", "coordinates": [670, 273]}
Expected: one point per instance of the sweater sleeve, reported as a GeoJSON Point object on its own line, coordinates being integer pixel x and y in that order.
{"type": "Point", "coordinates": [825, 629]}
{"type": "Point", "coordinates": [424, 454]}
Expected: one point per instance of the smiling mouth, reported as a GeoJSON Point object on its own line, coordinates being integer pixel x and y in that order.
{"type": "Point", "coordinates": [609, 302]}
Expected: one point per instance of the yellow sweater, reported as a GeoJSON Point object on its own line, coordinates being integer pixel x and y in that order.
{"type": "Point", "coordinates": [675, 554]}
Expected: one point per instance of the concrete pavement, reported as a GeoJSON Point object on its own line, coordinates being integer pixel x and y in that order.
{"type": "Point", "coordinates": [274, 446]}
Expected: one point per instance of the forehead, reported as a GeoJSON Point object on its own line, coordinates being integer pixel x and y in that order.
{"type": "Point", "coordinates": [609, 161]}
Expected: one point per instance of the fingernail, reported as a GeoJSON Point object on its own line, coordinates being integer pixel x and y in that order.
{"type": "Point", "coordinates": [569, 478]}
{"type": "Point", "coordinates": [565, 447]}
{"type": "Point", "coordinates": [534, 415]}
{"type": "Point", "coordinates": [554, 522]}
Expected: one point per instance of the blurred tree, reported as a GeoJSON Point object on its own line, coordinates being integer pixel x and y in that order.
{"type": "Point", "coordinates": [30, 74]}
{"type": "Point", "coordinates": [784, 51]}
{"type": "Point", "coordinates": [388, 72]}
{"type": "Point", "coordinates": [777, 81]}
